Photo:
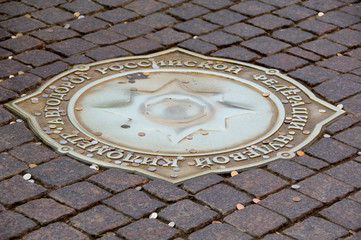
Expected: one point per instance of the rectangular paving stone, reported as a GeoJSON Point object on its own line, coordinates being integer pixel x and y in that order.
{"type": "Point", "coordinates": [252, 8]}
{"type": "Point", "coordinates": [356, 196]}
{"type": "Point", "coordinates": [196, 26]}
{"type": "Point", "coordinates": [165, 190]}
{"type": "Point", "coordinates": [140, 45]}
{"type": "Point", "coordinates": [16, 189]}
{"type": "Point", "coordinates": [10, 166]}
{"type": "Point", "coordinates": [270, 22]}
{"type": "Point", "coordinates": [313, 75]}
{"type": "Point", "coordinates": [213, 5]}
{"type": "Point", "coordinates": [61, 171]}
{"type": "Point", "coordinates": [255, 220]}
{"type": "Point", "coordinates": [353, 105]}
{"type": "Point", "coordinates": [293, 35]}
{"type": "Point", "coordinates": [341, 124]}
{"type": "Point", "coordinates": [168, 36]}
{"type": "Point", "coordinates": [347, 37]}
{"type": "Point", "coordinates": [54, 33]}
{"type": "Point", "coordinates": [82, 6]}
{"type": "Point", "coordinates": [21, 24]}
{"type": "Point", "coordinates": [71, 46]}
{"type": "Point", "coordinates": [335, 90]}
{"type": "Point", "coordinates": [78, 59]}
{"type": "Point", "coordinates": [52, 15]}
{"type": "Point", "coordinates": [44, 210]}
{"type": "Point", "coordinates": [10, 67]}
{"type": "Point", "coordinates": [33, 153]}
{"type": "Point", "coordinates": [117, 180]}
{"type": "Point", "coordinates": [348, 172]}
{"type": "Point", "coordinates": [290, 169]}
{"type": "Point", "coordinates": [283, 61]}
{"type": "Point", "coordinates": [265, 45]}
{"type": "Point", "coordinates": [14, 135]}
{"type": "Point", "coordinates": [330, 150]}
{"type": "Point", "coordinates": [55, 231]}
{"type": "Point", "coordinates": [188, 11]}
{"type": "Point", "coordinates": [324, 188]}
{"type": "Point", "coordinates": [131, 29]}
{"type": "Point", "coordinates": [197, 45]}
{"type": "Point", "coordinates": [235, 52]}
{"type": "Point", "coordinates": [339, 19]}
{"type": "Point", "coordinates": [87, 24]}
{"type": "Point", "coordinates": [151, 229]}
{"type": "Point", "coordinates": [104, 37]}
{"type": "Point", "coordinates": [113, 3]}
{"type": "Point", "coordinates": [316, 27]}
{"type": "Point", "coordinates": [187, 215]}
{"type": "Point", "coordinates": [232, 197]}
{"type": "Point", "coordinates": [5, 116]}
{"type": "Point", "coordinates": [13, 224]}
{"type": "Point", "coordinates": [15, 8]}
{"type": "Point", "coordinates": [50, 70]}
{"type": "Point", "coordinates": [37, 57]}
{"type": "Point", "coordinates": [311, 162]}
{"type": "Point", "coordinates": [145, 7]}
{"type": "Point", "coordinates": [4, 34]}
{"type": "Point", "coordinates": [220, 38]}
{"type": "Point", "coordinates": [43, 3]}
{"type": "Point", "coordinates": [98, 220]}
{"type": "Point", "coordinates": [157, 20]}
{"type": "Point", "coordinates": [134, 203]}
{"type": "Point", "coordinates": [322, 6]}
{"type": "Point", "coordinates": [346, 213]}
{"type": "Point", "coordinates": [106, 52]}
{"type": "Point", "coordinates": [295, 12]}
{"type": "Point", "coordinates": [350, 136]}
{"type": "Point", "coordinates": [6, 95]}
{"type": "Point", "coordinates": [224, 17]}
{"type": "Point", "coordinates": [257, 182]}
{"type": "Point", "coordinates": [299, 52]}
{"type": "Point", "coordinates": [315, 228]}
{"type": "Point", "coordinates": [21, 83]}
{"type": "Point", "coordinates": [79, 195]}
{"type": "Point", "coordinates": [276, 236]}
{"type": "Point", "coordinates": [282, 202]}
{"type": "Point", "coordinates": [324, 47]}
{"type": "Point", "coordinates": [117, 15]}
{"type": "Point", "coordinates": [244, 30]}
{"type": "Point", "coordinates": [219, 231]}
{"type": "Point", "coordinates": [197, 184]}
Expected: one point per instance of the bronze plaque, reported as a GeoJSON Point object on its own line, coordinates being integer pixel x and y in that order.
{"type": "Point", "coordinates": [175, 115]}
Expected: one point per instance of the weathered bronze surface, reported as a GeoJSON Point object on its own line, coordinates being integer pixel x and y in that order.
{"type": "Point", "coordinates": [175, 114]}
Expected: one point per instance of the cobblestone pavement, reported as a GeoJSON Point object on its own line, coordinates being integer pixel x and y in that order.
{"type": "Point", "coordinates": [316, 42]}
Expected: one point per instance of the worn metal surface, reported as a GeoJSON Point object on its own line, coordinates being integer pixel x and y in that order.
{"type": "Point", "coordinates": [175, 114]}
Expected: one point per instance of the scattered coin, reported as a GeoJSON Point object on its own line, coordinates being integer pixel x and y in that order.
{"type": "Point", "coordinates": [306, 132]}
{"type": "Point", "coordinates": [256, 200]}
{"type": "Point", "coordinates": [266, 94]}
{"type": "Point", "coordinates": [240, 206]}
{"type": "Point", "coordinates": [173, 175]}
{"type": "Point", "coordinates": [98, 133]}
{"type": "Point", "coordinates": [189, 137]}
{"type": "Point", "coordinates": [90, 155]}
{"type": "Point", "coordinates": [27, 176]}
{"type": "Point", "coordinates": [63, 142]}
{"type": "Point", "coordinates": [77, 14]}
{"type": "Point", "coordinates": [191, 163]}
{"type": "Point", "coordinates": [153, 215]}
{"type": "Point", "coordinates": [171, 224]}
{"type": "Point", "coordinates": [234, 173]}
{"type": "Point", "coordinates": [138, 188]}
{"type": "Point", "coordinates": [141, 134]}
{"type": "Point", "coordinates": [32, 165]}
{"type": "Point", "coordinates": [322, 110]}
{"type": "Point", "coordinates": [94, 166]}
{"type": "Point", "coordinates": [300, 153]}
{"type": "Point", "coordinates": [295, 186]}
{"type": "Point", "coordinates": [31, 180]}
{"type": "Point", "coordinates": [320, 14]}
{"type": "Point", "coordinates": [152, 169]}
{"type": "Point", "coordinates": [327, 135]}
{"type": "Point", "coordinates": [117, 162]}
{"type": "Point", "coordinates": [340, 106]}
{"type": "Point", "coordinates": [296, 199]}
{"type": "Point", "coordinates": [204, 132]}
{"type": "Point", "coordinates": [216, 222]}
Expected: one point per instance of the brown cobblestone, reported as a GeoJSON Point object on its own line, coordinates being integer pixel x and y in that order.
{"type": "Point", "coordinates": [200, 183]}
{"type": "Point", "coordinates": [104, 37]}
{"type": "Point", "coordinates": [157, 20]}
{"type": "Point", "coordinates": [276, 236]}
{"type": "Point", "coordinates": [6, 95]}
{"type": "Point", "coordinates": [15, 8]}
{"type": "Point", "coordinates": [265, 45]}
{"type": "Point", "coordinates": [245, 31]}
{"type": "Point", "coordinates": [145, 7]}
{"type": "Point", "coordinates": [44, 210]}
{"type": "Point", "coordinates": [224, 17]}
{"type": "Point", "coordinates": [188, 11]}
{"type": "Point", "coordinates": [13, 224]}
{"type": "Point", "coordinates": [293, 35]}
{"type": "Point", "coordinates": [283, 61]}
{"type": "Point", "coordinates": [313, 74]}
{"type": "Point", "coordinates": [106, 52]}
{"type": "Point", "coordinates": [9, 166]}
{"type": "Point", "coordinates": [71, 46]}
{"type": "Point", "coordinates": [37, 57]}
{"type": "Point", "coordinates": [33, 153]}
{"type": "Point", "coordinates": [165, 190]}
{"type": "Point", "coordinates": [347, 172]}
{"type": "Point", "coordinates": [10, 67]}
{"type": "Point", "coordinates": [87, 24]}
{"type": "Point", "coordinates": [317, 27]}
{"type": "Point", "coordinates": [213, 5]}
{"type": "Point", "coordinates": [117, 15]}
{"type": "Point", "coordinates": [290, 169]}
{"type": "Point", "coordinates": [50, 70]}
{"type": "Point", "coordinates": [311, 162]}
{"type": "Point", "coordinates": [21, 24]}
{"type": "Point", "coordinates": [78, 59]}
{"type": "Point", "coordinates": [343, 123]}
{"type": "Point", "coordinates": [356, 196]}
{"type": "Point", "coordinates": [5, 116]}
{"type": "Point", "coordinates": [322, 6]}
{"type": "Point", "coordinates": [324, 47]}
{"type": "Point", "coordinates": [353, 105]}
{"type": "Point", "coordinates": [303, 54]}
{"type": "Point", "coordinates": [14, 135]}
{"type": "Point", "coordinates": [52, 15]}
{"type": "Point", "coordinates": [131, 29]}
{"type": "Point", "coordinates": [4, 34]}
{"type": "Point", "coordinates": [238, 53]}
{"type": "Point", "coordinates": [196, 26]}
{"type": "Point", "coordinates": [270, 22]}
{"type": "Point", "coordinates": [198, 46]}
{"type": "Point", "coordinates": [252, 8]}
{"type": "Point", "coordinates": [43, 3]}
{"type": "Point", "coordinates": [140, 45]}
{"type": "Point", "coordinates": [350, 136]}
{"type": "Point", "coordinates": [346, 37]}
{"type": "Point", "coordinates": [217, 231]}
{"type": "Point", "coordinates": [54, 33]}
{"type": "Point", "coordinates": [168, 36]}
{"type": "Point", "coordinates": [82, 6]}
{"type": "Point", "coordinates": [339, 19]}
{"type": "Point", "coordinates": [21, 83]}
{"type": "Point", "coordinates": [335, 90]}
{"type": "Point", "coordinates": [109, 236]}
{"type": "Point", "coordinates": [295, 12]}
{"type": "Point", "coordinates": [220, 38]}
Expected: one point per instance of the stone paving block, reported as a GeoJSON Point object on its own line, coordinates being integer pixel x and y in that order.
{"type": "Point", "coordinates": [106, 52]}
{"type": "Point", "coordinates": [172, 2]}
{"type": "Point", "coordinates": [21, 24]}
{"type": "Point", "coordinates": [145, 7]}
{"type": "Point", "coordinates": [265, 45]}
{"type": "Point", "coordinates": [235, 52]}
{"type": "Point", "coordinates": [316, 27]}
{"type": "Point", "coordinates": [10, 67]}
{"type": "Point", "coordinates": [113, 3]}
{"type": "Point", "coordinates": [217, 231]}
{"type": "Point", "coordinates": [282, 202]}
{"type": "Point", "coordinates": [214, 5]}
{"type": "Point", "coordinates": [322, 6]}
{"type": "Point", "coordinates": [283, 61]}
{"type": "Point", "coordinates": [339, 19]}
{"type": "Point", "coordinates": [131, 29]}
{"type": "Point", "coordinates": [98, 220]}
{"type": "Point", "coordinates": [293, 35]}
{"type": "Point", "coordinates": [276, 236]}
{"type": "Point", "coordinates": [21, 83]}
{"type": "Point", "coordinates": [54, 33]}
{"type": "Point", "coordinates": [350, 136]}
{"type": "Point", "coordinates": [5, 116]}
{"type": "Point", "coordinates": [270, 22]}
{"type": "Point", "coordinates": [353, 9]}
{"type": "Point", "coordinates": [109, 236]}
{"type": "Point", "coordinates": [134, 203]}
{"type": "Point", "coordinates": [87, 24]}
{"type": "Point", "coordinates": [13, 135]}
{"type": "Point", "coordinates": [52, 15]}
{"type": "Point", "coordinates": [82, 6]}
{"type": "Point", "coordinates": [346, 213]}
{"type": "Point", "coordinates": [21, 44]}
{"type": "Point", "coordinates": [168, 36]}
{"type": "Point", "coordinates": [313, 75]}
{"type": "Point", "coordinates": [79, 195]}
{"type": "Point", "coordinates": [356, 26]}
{"type": "Point", "coordinates": [13, 9]}
{"type": "Point", "coordinates": [224, 17]}
{"type": "Point", "coordinates": [104, 37]}
{"type": "Point", "coordinates": [324, 47]}
{"type": "Point", "coordinates": [165, 190]}
{"type": "Point", "coordinates": [356, 53]}
{"type": "Point", "coordinates": [311, 162]}
{"type": "Point", "coordinates": [61, 171]}
{"type": "Point", "coordinates": [281, 3]}
{"type": "Point", "coordinates": [330, 150]}
{"type": "Point", "coordinates": [197, 184]}
{"type": "Point", "coordinates": [33, 153]}
{"type": "Point", "coordinates": [348, 76]}
{"type": "Point", "coordinates": [353, 105]}
{"type": "Point", "coordinates": [196, 26]}
{"type": "Point", "coordinates": [44, 210]}
{"type": "Point", "coordinates": [256, 220]}
{"type": "Point", "coordinates": [157, 20]}
{"type": "Point", "coordinates": [295, 12]}
{"type": "Point", "coordinates": [71, 46]}
{"type": "Point", "coordinates": [211, 196]}
{"type": "Point", "coordinates": [335, 90]}
{"type": "Point", "coordinates": [55, 231]}
{"type": "Point", "coordinates": [341, 124]}
{"type": "Point", "coordinates": [50, 70]}
{"type": "Point", "coordinates": [78, 59]}
{"type": "Point", "coordinates": [252, 8]}
{"type": "Point", "coordinates": [9, 166]}
{"type": "Point", "coordinates": [220, 38]}
{"type": "Point", "coordinates": [37, 57]}
{"type": "Point", "coordinates": [117, 180]}
{"type": "Point", "coordinates": [152, 229]}
{"type": "Point", "coordinates": [188, 11]}
{"type": "Point", "coordinates": [245, 31]}
{"type": "Point", "coordinates": [324, 188]}
{"type": "Point", "coordinates": [140, 45]}
{"type": "Point", "coordinates": [315, 228]}
{"type": "Point", "coordinates": [4, 34]}
{"type": "Point", "coordinates": [257, 182]}
{"type": "Point", "coordinates": [4, 53]}
{"type": "Point", "coordinates": [347, 172]}
{"type": "Point", "coordinates": [187, 215]}
{"type": "Point", "coordinates": [117, 15]}
{"type": "Point", "coordinates": [13, 224]}
{"type": "Point", "coordinates": [197, 45]}
{"type": "Point", "coordinates": [290, 169]}
{"type": "Point", "coordinates": [43, 3]}
{"type": "Point", "coordinates": [347, 37]}
{"type": "Point", "coordinates": [6, 95]}
{"type": "Point", "coordinates": [299, 52]}
{"type": "Point", "coordinates": [356, 196]}
{"type": "Point", "coordinates": [16, 189]}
